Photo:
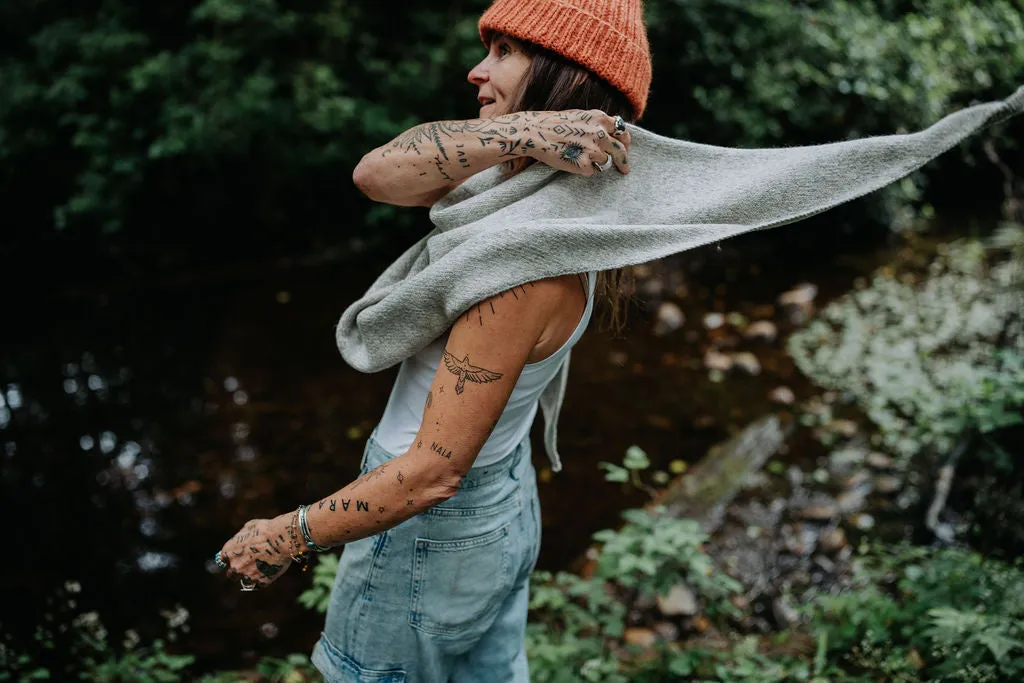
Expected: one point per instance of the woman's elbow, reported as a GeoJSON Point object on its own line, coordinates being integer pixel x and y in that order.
{"type": "Point", "coordinates": [363, 177]}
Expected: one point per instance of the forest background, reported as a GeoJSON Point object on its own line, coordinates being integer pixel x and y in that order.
{"type": "Point", "coordinates": [162, 162]}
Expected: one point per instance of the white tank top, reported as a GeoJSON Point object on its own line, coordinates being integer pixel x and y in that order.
{"type": "Point", "coordinates": [404, 412]}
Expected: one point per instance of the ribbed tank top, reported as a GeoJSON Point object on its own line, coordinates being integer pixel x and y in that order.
{"type": "Point", "coordinates": [404, 412]}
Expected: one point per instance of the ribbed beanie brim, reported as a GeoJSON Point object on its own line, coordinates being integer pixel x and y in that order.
{"type": "Point", "coordinates": [606, 36]}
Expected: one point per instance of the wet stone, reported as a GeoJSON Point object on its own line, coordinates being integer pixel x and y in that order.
{"type": "Point", "coordinates": [863, 521]}
{"type": "Point", "coordinates": [853, 499]}
{"type": "Point", "coordinates": [679, 601]}
{"type": "Point", "coordinates": [785, 615]}
{"type": "Point", "coordinates": [879, 461]}
{"type": "Point", "coordinates": [801, 294]}
{"type": "Point", "coordinates": [847, 428]}
{"type": "Point", "coordinates": [802, 541]}
{"type": "Point", "coordinates": [888, 484]}
{"type": "Point", "coordinates": [761, 330]}
{"type": "Point", "coordinates": [667, 631]}
{"type": "Point", "coordinates": [782, 395]}
{"type": "Point", "coordinates": [833, 540]}
{"type": "Point", "coordinates": [820, 508]}
{"type": "Point", "coordinates": [844, 460]}
{"type": "Point", "coordinates": [858, 478]}
{"type": "Point", "coordinates": [747, 362]}
{"type": "Point", "coordinates": [669, 319]}
{"type": "Point", "coordinates": [713, 321]}
{"type": "Point", "coordinates": [716, 360]}
{"type": "Point", "coordinates": [641, 637]}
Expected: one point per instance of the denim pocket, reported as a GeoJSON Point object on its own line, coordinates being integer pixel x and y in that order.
{"type": "Point", "coordinates": [337, 667]}
{"type": "Point", "coordinates": [458, 584]}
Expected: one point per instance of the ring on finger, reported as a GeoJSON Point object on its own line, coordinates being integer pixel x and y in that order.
{"type": "Point", "coordinates": [620, 126]}
{"type": "Point", "coordinates": [220, 563]}
{"type": "Point", "coordinates": [605, 166]}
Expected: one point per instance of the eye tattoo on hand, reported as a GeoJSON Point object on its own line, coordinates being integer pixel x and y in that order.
{"type": "Point", "coordinates": [573, 153]}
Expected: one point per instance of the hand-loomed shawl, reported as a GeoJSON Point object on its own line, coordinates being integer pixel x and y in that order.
{"type": "Point", "coordinates": [493, 233]}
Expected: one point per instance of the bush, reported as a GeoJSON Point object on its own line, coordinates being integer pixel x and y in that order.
{"type": "Point", "coordinates": [223, 113]}
{"type": "Point", "coordinates": [939, 615]}
{"type": "Point", "coordinates": [931, 361]}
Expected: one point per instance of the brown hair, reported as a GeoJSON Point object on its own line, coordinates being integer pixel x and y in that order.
{"type": "Point", "coordinates": [554, 83]}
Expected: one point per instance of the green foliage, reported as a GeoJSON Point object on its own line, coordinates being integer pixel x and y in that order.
{"type": "Point", "coordinates": [96, 657]}
{"type": "Point", "coordinates": [951, 613]}
{"type": "Point", "coordinates": [575, 618]}
{"type": "Point", "coordinates": [633, 463]}
{"type": "Point", "coordinates": [651, 553]}
{"type": "Point", "coordinates": [318, 596]}
{"type": "Point", "coordinates": [928, 362]}
{"type": "Point", "coordinates": [829, 68]}
{"type": "Point", "coordinates": [216, 112]}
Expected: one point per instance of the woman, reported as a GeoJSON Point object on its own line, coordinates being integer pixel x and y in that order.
{"type": "Point", "coordinates": [443, 525]}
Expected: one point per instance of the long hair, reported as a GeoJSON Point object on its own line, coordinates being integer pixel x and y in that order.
{"type": "Point", "coordinates": [554, 83]}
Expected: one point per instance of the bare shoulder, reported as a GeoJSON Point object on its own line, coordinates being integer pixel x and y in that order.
{"type": "Point", "coordinates": [535, 301]}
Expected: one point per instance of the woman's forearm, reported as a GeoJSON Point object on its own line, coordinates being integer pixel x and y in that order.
{"type": "Point", "coordinates": [382, 498]}
{"type": "Point", "coordinates": [433, 156]}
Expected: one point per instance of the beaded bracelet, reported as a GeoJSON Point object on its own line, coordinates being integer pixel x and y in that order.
{"type": "Point", "coordinates": [304, 528]}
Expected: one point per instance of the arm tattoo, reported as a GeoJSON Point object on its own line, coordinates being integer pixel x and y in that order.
{"type": "Point", "coordinates": [375, 473]}
{"type": "Point", "coordinates": [441, 450]}
{"type": "Point", "coordinates": [464, 370]}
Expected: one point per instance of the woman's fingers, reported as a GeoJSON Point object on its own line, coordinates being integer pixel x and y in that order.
{"type": "Point", "coordinates": [618, 152]}
{"type": "Point", "coordinates": [617, 146]}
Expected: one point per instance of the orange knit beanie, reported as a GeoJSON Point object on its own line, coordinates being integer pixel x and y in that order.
{"type": "Point", "coordinates": [606, 36]}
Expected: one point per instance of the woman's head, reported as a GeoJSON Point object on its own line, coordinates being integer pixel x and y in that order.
{"type": "Point", "coordinates": [566, 54]}
{"type": "Point", "coordinates": [517, 75]}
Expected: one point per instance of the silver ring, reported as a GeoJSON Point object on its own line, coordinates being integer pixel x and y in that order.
{"type": "Point", "coordinates": [620, 125]}
{"type": "Point", "coordinates": [605, 166]}
{"type": "Point", "coordinates": [220, 563]}
{"type": "Point", "coordinates": [247, 587]}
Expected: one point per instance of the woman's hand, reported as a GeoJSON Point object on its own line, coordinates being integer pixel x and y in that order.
{"type": "Point", "coordinates": [261, 551]}
{"type": "Point", "coordinates": [576, 139]}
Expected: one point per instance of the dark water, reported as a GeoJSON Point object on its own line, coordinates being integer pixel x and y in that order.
{"type": "Point", "coordinates": [142, 425]}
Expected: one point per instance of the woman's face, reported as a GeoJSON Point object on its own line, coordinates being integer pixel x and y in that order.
{"type": "Point", "coordinates": [497, 77]}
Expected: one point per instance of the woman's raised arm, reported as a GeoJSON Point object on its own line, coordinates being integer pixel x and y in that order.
{"type": "Point", "coordinates": [427, 161]}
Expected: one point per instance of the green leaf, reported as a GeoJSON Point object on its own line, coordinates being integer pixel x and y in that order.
{"type": "Point", "coordinates": [636, 459]}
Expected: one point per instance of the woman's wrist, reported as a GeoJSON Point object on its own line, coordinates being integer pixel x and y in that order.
{"type": "Point", "coordinates": [289, 523]}
{"type": "Point", "coordinates": [306, 533]}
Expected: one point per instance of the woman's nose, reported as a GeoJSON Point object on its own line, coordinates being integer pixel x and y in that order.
{"type": "Point", "coordinates": [477, 74]}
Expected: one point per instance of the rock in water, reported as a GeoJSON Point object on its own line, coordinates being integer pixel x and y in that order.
{"type": "Point", "coordinates": [680, 600]}
{"type": "Point", "coordinates": [716, 360]}
{"type": "Point", "coordinates": [641, 637]}
{"type": "Point", "coordinates": [833, 540]}
{"type": "Point", "coordinates": [782, 395]}
{"type": "Point", "coordinates": [763, 330]}
{"type": "Point", "coordinates": [748, 362]}
{"type": "Point", "coordinates": [800, 295]}
{"type": "Point", "coordinates": [669, 319]}
{"type": "Point", "coordinates": [709, 486]}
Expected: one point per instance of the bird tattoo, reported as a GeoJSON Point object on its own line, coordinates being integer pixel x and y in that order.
{"type": "Point", "coordinates": [463, 370]}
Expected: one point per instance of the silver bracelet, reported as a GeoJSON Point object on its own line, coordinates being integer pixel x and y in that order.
{"type": "Point", "coordinates": [304, 528]}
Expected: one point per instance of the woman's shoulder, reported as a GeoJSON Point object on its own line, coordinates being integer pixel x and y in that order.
{"type": "Point", "coordinates": [539, 301]}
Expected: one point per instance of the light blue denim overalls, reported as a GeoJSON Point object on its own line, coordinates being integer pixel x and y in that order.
{"type": "Point", "coordinates": [443, 596]}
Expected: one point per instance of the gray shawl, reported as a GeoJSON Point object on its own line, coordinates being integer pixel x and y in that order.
{"type": "Point", "coordinates": [491, 234]}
